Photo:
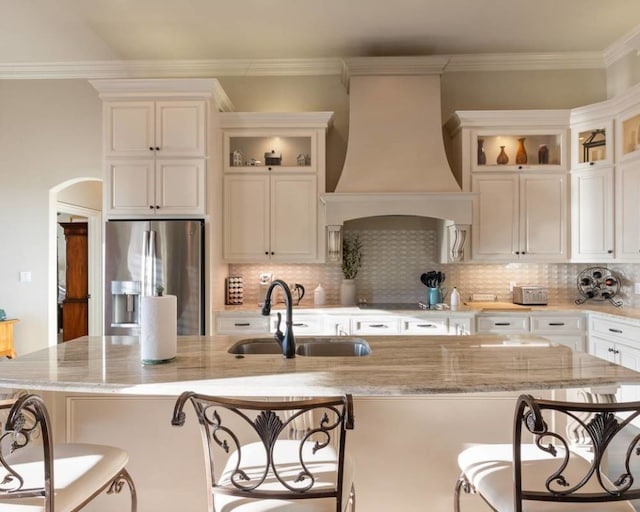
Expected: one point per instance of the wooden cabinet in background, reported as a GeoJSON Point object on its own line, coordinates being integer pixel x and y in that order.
{"type": "Point", "coordinates": [75, 306]}
{"type": "Point", "coordinates": [6, 338]}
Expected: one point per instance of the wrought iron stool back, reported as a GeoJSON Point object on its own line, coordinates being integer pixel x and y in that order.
{"type": "Point", "coordinates": [546, 464]}
{"type": "Point", "coordinates": [28, 462]}
{"type": "Point", "coordinates": [273, 450]}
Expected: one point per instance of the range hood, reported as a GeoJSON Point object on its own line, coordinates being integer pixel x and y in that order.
{"type": "Point", "coordinates": [396, 162]}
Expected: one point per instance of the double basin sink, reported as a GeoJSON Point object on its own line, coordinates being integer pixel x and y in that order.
{"type": "Point", "coordinates": [308, 346]}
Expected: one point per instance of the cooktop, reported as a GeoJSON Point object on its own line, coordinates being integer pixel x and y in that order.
{"type": "Point", "coordinates": [394, 305]}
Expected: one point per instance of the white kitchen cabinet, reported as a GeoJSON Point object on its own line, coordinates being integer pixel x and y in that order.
{"type": "Point", "coordinates": [520, 217]}
{"type": "Point", "coordinates": [161, 128]}
{"type": "Point", "coordinates": [628, 210]}
{"type": "Point", "coordinates": [152, 186]}
{"type": "Point", "coordinates": [274, 172]}
{"type": "Point", "coordinates": [156, 145]}
{"type": "Point", "coordinates": [270, 217]}
{"type": "Point", "coordinates": [592, 215]}
{"type": "Point", "coordinates": [502, 324]}
{"type": "Point", "coordinates": [235, 324]}
{"type": "Point", "coordinates": [566, 329]}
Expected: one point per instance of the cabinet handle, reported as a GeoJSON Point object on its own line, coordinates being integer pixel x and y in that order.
{"type": "Point", "coordinates": [502, 323]}
{"type": "Point", "coordinates": [241, 324]}
{"type": "Point", "coordinates": [426, 326]}
{"type": "Point", "coordinates": [300, 324]}
{"type": "Point", "coordinates": [379, 326]}
{"type": "Point", "coordinates": [556, 323]}
{"type": "Point", "coordinates": [617, 331]}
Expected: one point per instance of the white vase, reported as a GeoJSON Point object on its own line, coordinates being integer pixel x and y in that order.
{"type": "Point", "coordinates": [348, 292]}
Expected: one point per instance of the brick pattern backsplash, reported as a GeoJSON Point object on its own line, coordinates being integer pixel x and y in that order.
{"type": "Point", "coordinates": [393, 260]}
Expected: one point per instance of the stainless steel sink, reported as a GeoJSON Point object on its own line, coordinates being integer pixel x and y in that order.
{"type": "Point", "coordinates": [309, 346]}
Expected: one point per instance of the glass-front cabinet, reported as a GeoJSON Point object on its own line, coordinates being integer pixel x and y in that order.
{"type": "Point", "coordinates": [518, 150]}
{"type": "Point", "coordinates": [592, 144]}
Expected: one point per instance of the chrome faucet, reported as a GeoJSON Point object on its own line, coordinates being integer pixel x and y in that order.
{"type": "Point", "coordinates": [286, 341]}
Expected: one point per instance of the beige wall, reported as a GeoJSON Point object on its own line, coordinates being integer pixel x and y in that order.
{"type": "Point", "coordinates": [50, 133]}
{"type": "Point", "coordinates": [87, 194]}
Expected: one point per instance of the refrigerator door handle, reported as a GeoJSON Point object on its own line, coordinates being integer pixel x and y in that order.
{"type": "Point", "coordinates": [153, 283]}
{"type": "Point", "coordinates": [146, 282]}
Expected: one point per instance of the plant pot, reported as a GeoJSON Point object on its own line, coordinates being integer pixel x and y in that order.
{"type": "Point", "coordinates": [348, 292]}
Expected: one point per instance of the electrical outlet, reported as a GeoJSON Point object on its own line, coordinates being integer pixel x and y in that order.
{"type": "Point", "coordinates": [636, 288]}
{"type": "Point", "coordinates": [511, 285]}
{"type": "Point", "coordinates": [25, 277]}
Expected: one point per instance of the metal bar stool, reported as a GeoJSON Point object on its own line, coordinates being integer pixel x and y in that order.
{"type": "Point", "coordinates": [576, 457]}
{"type": "Point", "coordinates": [36, 475]}
{"type": "Point", "coordinates": [275, 455]}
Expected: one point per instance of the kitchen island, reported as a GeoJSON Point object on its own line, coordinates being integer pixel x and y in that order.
{"type": "Point", "coordinates": [418, 400]}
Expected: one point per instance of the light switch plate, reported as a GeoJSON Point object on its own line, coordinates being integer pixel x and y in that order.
{"type": "Point", "coordinates": [636, 288]}
{"type": "Point", "coordinates": [25, 277]}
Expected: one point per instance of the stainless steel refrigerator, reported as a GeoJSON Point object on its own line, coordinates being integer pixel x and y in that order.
{"type": "Point", "coordinates": [143, 256]}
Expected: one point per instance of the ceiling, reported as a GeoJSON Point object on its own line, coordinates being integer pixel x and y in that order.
{"type": "Point", "coordinates": [39, 31]}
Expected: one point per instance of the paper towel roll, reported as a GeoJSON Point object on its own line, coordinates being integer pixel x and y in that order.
{"type": "Point", "coordinates": [158, 329]}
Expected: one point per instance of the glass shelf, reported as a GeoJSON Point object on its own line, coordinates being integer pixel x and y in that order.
{"type": "Point", "coordinates": [542, 150]}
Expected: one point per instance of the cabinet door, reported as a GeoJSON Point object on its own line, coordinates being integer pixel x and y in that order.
{"type": "Point", "coordinates": [130, 187]}
{"type": "Point", "coordinates": [294, 218]}
{"type": "Point", "coordinates": [246, 218]}
{"type": "Point", "coordinates": [180, 128]}
{"type": "Point", "coordinates": [180, 186]}
{"type": "Point", "coordinates": [543, 217]}
{"type": "Point", "coordinates": [592, 215]}
{"type": "Point", "coordinates": [495, 225]}
{"type": "Point", "coordinates": [628, 211]}
{"type": "Point", "coordinates": [128, 128]}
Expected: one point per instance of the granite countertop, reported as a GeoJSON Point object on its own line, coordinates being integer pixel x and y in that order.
{"type": "Point", "coordinates": [397, 366]}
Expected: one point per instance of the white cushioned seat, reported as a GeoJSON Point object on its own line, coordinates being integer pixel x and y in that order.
{"type": "Point", "coordinates": [489, 468]}
{"type": "Point", "coordinates": [79, 469]}
{"type": "Point", "coordinates": [323, 465]}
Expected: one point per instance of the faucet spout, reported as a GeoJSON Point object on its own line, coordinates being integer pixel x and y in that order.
{"type": "Point", "coordinates": [286, 341]}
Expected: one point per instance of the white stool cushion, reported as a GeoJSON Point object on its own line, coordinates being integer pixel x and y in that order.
{"type": "Point", "coordinates": [489, 468]}
{"type": "Point", "coordinates": [322, 465]}
{"type": "Point", "coordinates": [79, 471]}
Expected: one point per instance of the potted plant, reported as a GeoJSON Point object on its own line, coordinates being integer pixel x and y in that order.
{"type": "Point", "coordinates": [351, 263]}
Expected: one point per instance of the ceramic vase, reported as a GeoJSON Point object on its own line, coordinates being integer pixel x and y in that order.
{"type": "Point", "coordinates": [521, 153]}
{"type": "Point", "coordinates": [482, 158]}
{"type": "Point", "coordinates": [543, 154]}
{"type": "Point", "coordinates": [503, 158]}
{"type": "Point", "coordinates": [348, 292]}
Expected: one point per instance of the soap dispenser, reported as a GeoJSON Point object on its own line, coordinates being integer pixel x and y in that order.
{"type": "Point", "coordinates": [318, 295]}
{"type": "Point", "coordinates": [454, 299]}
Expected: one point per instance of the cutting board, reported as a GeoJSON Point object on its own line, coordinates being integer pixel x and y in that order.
{"type": "Point", "coordinates": [496, 306]}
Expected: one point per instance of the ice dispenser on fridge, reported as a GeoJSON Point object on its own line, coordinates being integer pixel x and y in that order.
{"type": "Point", "coordinates": [126, 303]}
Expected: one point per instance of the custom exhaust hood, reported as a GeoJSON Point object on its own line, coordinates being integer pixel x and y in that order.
{"type": "Point", "coordinates": [395, 162]}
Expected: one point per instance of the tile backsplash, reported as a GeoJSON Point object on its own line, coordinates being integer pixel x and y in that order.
{"type": "Point", "coordinates": [393, 260]}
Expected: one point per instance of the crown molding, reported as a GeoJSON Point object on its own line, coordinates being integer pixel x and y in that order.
{"type": "Point", "coordinates": [525, 61]}
{"type": "Point", "coordinates": [275, 119]}
{"type": "Point", "coordinates": [299, 67]}
{"type": "Point", "coordinates": [621, 47]}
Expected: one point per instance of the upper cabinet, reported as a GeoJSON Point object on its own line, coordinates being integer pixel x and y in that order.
{"type": "Point", "coordinates": [159, 128]}
{"type": "Point", "coordinates": [516, 162]}
{"type": "Point", "coordinates": [274, 172]}
{"type": "Point", "coordinates": [156, 142]}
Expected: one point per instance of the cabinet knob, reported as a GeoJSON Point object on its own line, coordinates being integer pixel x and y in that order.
{"type": "Point", "coordinates": [151, 206]}
{"type": "Point", "coordinates": [150, 148]}
{"type": "Point", "coordinates": [266, 253]}
{"type": "Point", "coordinates": [157, 148]}
{"type": "Point", "coordinates": [592, 163]}
{"type": "Point", "coordinates": [610, 251]}
{"type": "Point", "coordinates": [519, 167]}
{"type": "Point", "coordinates": [269, 168]}
{"type": "Point", "coordinates": [272, 253]}
{"type": "Point", "coordinates": [517, 252]}
{"type": "Point", "coordinates": [523, 252]}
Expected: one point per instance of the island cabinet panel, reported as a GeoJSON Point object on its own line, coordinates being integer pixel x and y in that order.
{"type": "Point", "coordinates": [167, 465]}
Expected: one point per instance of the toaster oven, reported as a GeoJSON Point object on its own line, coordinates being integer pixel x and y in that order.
{"type": "Point", "coordinates": [530, 295]}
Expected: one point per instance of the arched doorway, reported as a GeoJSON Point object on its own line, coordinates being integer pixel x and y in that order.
{"type": "Point", "coordinates": [76, 201]}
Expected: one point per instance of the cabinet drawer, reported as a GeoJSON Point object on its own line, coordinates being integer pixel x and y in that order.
{"type": "Point", "coordinates": [302, 324]}
{"type": "Point", "coordinates": [380, 326]}
{"type": "Point", "coordinates": [557, 323]}
{"type": "Point", "coordinates": [498, 324]}
{"type": "Point", "coordinates": [242, 324]}
{"type": "Point", "coordinates": [618, 330]}
{"type": "Point", "coordinates": [425, 326]}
